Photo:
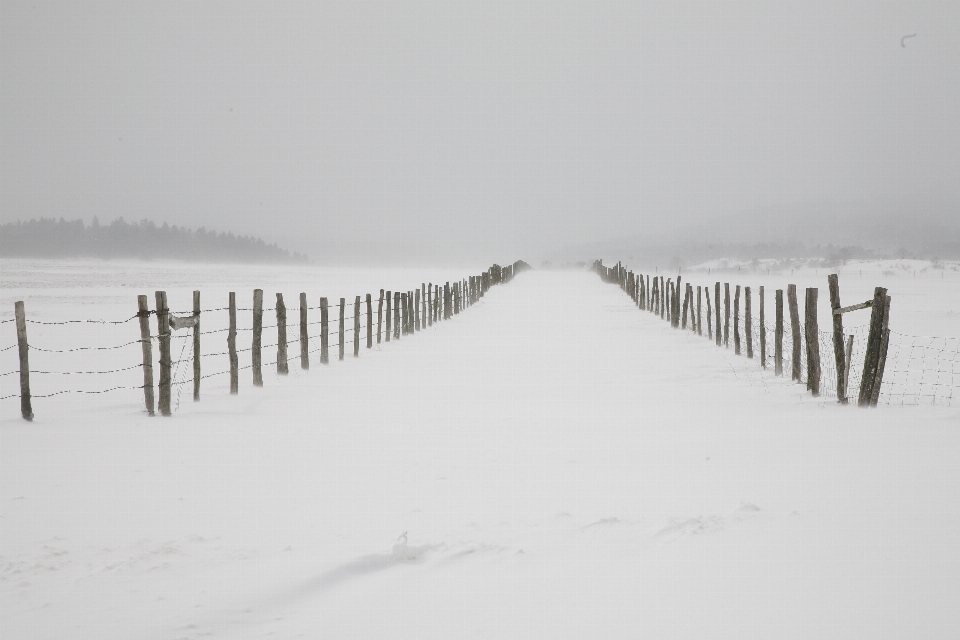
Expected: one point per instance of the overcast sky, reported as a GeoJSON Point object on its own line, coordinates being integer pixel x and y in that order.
{"type": "Point", "coordinates": [455, 126]}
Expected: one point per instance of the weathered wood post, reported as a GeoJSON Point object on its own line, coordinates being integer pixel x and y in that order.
{"type": "Point", "coordinates": [686, 305]}
{"type": "Point", "coordinates": [342, 337]}
{"type": "Point", "coordinates": [882, 359]}
{"type": "Point", "coordinates": [304, 338]}
{"type": "Point", "coordinates": [282, 368]}
{"type": "Point", "coordinates": [706, 290]}
{"type": "Point", "coordinates": [23, 350]}
{"type": "Point", "coordinates": [736, 321]}
{"type": "Point", "coordinates": [196, 346]}
{"type": "Point", "coordinates": [143, 315]}
{"type": "Point", "coordinates": [396, 315]}
{"type": "Point", "coordinates": [369, 322]}
{"type": "Point", "coordinates": [813, 341]}
{"type": "Point", "coordinates": [446, 301]}
{"type": "Point", "coordinates": [796, 370]}
{"type": "Point", "coordinates": [699, 314]}
{"type": "Point", "coordinates": [838, 351]}
{"type": "Point", "coordinates": [429, 312]}
{"type": "Point", "coordinates": [356, 327]}
{"type": "Point", "coordinates": [232, 346]}
{"type": "Point", "coordinates": [747, 322]}
{"type": "Point", "coordinates": [726, 317]}
{"type": "Point", "coordinates": [380, 315]}
{"type": "Point", "coordinates": [163, 341]}
{"type": "Point", "coordinates": [763, 333]}
{"type": "Point", "coordinates": [871, 359]}
{"type": "Point", "coordinates": [257, 334]}
{"type": "Point", "coordinates": [848, 356]}
{"type": "Point", "coordinates": [404, 317]}
{"type": "Point", "coordinates": [389, 316]}
{"type": "Point", "coordinates": [324, 332]}
{"type": "Point", "coordinates": [676, 303]}
{"type": "Point", "coordinates": [778, 334]}
{"type": "Point", "coordinates": [716, 310]}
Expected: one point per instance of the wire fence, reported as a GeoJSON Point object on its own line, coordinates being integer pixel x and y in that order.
{"type": "Point", "coordinates": [918, 369]}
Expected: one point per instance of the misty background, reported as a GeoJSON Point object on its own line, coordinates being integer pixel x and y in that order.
{"type": "Point", "coordinates": [411, 132]}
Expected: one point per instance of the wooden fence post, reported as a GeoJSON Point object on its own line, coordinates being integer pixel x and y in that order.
{"type": "Point", "coordinates": [26, 407]}
{"type": "Point", "coordinates": [796, 370]}
{"type": "Point", "coordinates": [304, 338]}
{"type": "Point", "coordinates": [699, 313]}
{"type": "Point", "coordinates": [282, 368]}
{"type": "Point", "coordinates": [848, 356]}
{"type": "Point", "coordinates": [257, 334]}
{"type": "Point", "coordinates": [706, 290]}
{"type": "Point", "coordinates": [736, 321]}
{"type": "Point", "coordinates": [389, 317]}
{"type": "Point", "coordinates": [763, 333]}
{"type": "Point", "coordinates": [726, 317]}
{"type": "Point", "coordinates": [369, 322]}
{"type": "Point", "coordinates": [163, 340]}
{"type": "Point", "coordinates": [324, 332]}
{"type": "Point", "coordinates": [196, 346]}
{"type": "Point", "coordinates": [716, 311]}
{"type": "Point", "coordinates": [747, 322]}
{"type": "Point", "coordinates": [778, 334]}
{"type": "Point", "coordinates": [343, 334]}
{"type": "Point", "coordinates": [838, 351]}
{"type": "Point", "coordinates": [686, 305]}
{"type": "Point", "coordinates": [396, 315]}
{"type": "Point", "coordinates": [380, 315]}
{"type": "Point", "coordinates": [871, 359]}
{"type": "Point", "coordinates": [356, 327]}
{"type": "Point", "coordinates": [882, 359]}
{"type": "Point", "coordinates": [428, 313]}
{"type": "Point", "coordinates": [232, 346]}
{"type": "Point", "coordinates": [446, 301]}
{"type": "Point", "coordinates": [813, 342]}
{"type": "Point", "coordinates": [143, 314]}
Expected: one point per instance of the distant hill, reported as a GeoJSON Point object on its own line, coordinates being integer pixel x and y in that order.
{"type": "Point", "coordinates": [50, 238]}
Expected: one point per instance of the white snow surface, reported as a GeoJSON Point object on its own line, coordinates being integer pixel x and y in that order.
{"type": "Point", "coordinates": [550, 463]}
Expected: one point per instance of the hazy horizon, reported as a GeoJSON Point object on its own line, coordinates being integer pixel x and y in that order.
{"type": "Point", "coordinates": [455, 131]}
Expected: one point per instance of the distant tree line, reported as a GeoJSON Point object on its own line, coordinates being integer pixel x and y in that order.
{"type": "Point", "coordinates": [51, 238]}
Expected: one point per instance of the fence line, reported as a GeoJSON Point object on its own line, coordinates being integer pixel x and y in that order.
{"type": "Point", "coordinates": [904, 369]}
{"type": "Point", "coordinates": [420, 308]}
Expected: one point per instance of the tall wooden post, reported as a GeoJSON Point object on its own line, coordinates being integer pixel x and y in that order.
{"type": "Point", "coordinates": [871, 359]}
{"type": "Point", "coordinates": [232, 346]}
{"type": "Point", "coordinates": [369, 322]}
{"type": "Point", "coordinates": [838, 350]}
{"type": "Point", "coordinates": [163, 341]}
{"type": "Point", "coordinates": [736, 321]}
{"type": "Point", "coordinates": [396, 315]}
{"type": "Point", "coordinates": [196, 346]}
{"type": "Point", "coordinates": [726, 316]}
{"type": "Point", "coordinates": [778, 335]}
{"type": "Point", "coordinates": [706, 290]}
{"type": "Point", "coordinates": [304, 338]}
{"type": "Point", "coordinates": [324, 332]}
{"type": "Point", "coordinates": [699, 314]}
{"type": "Point", "coordinates": [446, 301]}
{"type": "Point", "coordinates": [882, 359]}
{"type": "Point", "coordinates": [763, 333]}
{"type": "Point", "coordinates": [389, 317]}
{"type": "Point", "coordinates": [813, 342]}
{"type": "Point", "coordinates": [356, 327]}
{"type": "Point", "coordinates": [143, 315]}
{"type": "Point", "coordinates": [282, 367]}
{"type": "Point", "coordinates": [380, 315]}
{"type": "Point", "coordinates": [257, 336]}
{"type": "Point", "coordinates": [686, 305]}
{"type": "Point", "coordinates": [23, 347]}
{"type": "Point", "coordinates": [416, 304]}
{"type": "Point", "coordinates": [747, 321]}
{"type": "Point", "coordinates": [343, 334]}
{"type": "Point", "coordinates": [716, 310]}
{"type": "Point", "coordinates": [796, 370]}
{"type": "Point", "coordinates": [429, 314]}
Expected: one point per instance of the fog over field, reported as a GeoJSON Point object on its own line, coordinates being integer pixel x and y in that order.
{"type": "Point", "coordinates": [451, 130]}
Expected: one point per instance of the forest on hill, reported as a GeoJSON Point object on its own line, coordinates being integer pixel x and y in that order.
{"type": "Point", "coordinates": [52, 238]}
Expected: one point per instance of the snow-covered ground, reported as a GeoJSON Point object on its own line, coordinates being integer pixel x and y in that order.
{"type": "Point", "coordinates": [551, 463]}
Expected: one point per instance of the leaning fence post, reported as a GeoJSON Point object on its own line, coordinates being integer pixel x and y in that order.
{"type": "Point", "coordinates": [369, 322]}
{"type": "Point", "coordinates": [813, 342]}
{"type": "Point", "coordinates": [343, 333]}
{"type": "Point", "coordinates": [356, 327]}
{"type": "Point", "coordinates": [380, 316]}
{"type": "Point", "coordinates": [716, 310]}
{"type": "Point", "coordinates": [389, 318]}
{"type": "Point", "coordinates": [416, 316]}
{"type": "Point", "coordinates": [163, 340]}
{"type": "Point", "coordinates": [706, 290]}
{"type": "Point", "coordinates": [282, 368]}
{"type": "Point", "coordinates": [838, 354]}
{"type": "Point", "coordinates": [876, 349]}
{"type": "Point", "coordinates": [747, 322]}
{"type": "Point", "coordinates": [795, 370]}
{"type": "Point", "coordinates": [26, 409]}
{"type": "Point", "coordinates": [143, 314]}
{"type": "Point", "coordinates": [232, 346]}
{"type": "Point", "coordinates": [699, 314]}
{"type": "Point", "coordinates": [324, 332]}
{"type": "Point", "coordinates": [397, 299]}
{"type": "Point", "coordinates": [726, 317]}
{"type": "Point", "coordinates": [304, 351]}
{"type": "Point", "coordinates": [736, 321]}
{"type": "Point", "coordinates": [196, 346]}
{"type": "Point", "coordinates": [763, 333]}
{"type": "Point", "coordinates": [429, 312]}
{"type": "Point", "coordinates": [257, 334]}
{"type": "Point", "coordinates": [778, 334]}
